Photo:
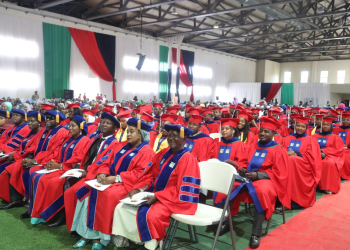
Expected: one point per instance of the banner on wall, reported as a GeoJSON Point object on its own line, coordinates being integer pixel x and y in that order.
{"type": "Point", "coordinates": [269, 90]}
{"type": "Point", "coordinates": [185, 73]}
{"type": "Point", "coordinates": [98, 51]}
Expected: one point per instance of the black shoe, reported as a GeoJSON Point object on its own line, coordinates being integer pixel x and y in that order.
{"type": "Point", "coordinates": [25, 215]}
{"type": "Point", "coordinates": [12, 205]}
{"type": "Point", "coordinates": [224, 228]}
{"type": "Point", "coordinates": [60, 221]}
{"type": "Point", "coordinates": [74, 234]}
{"type": "Point", "coordinates": [211, 228]}
{"type": "Point", "coordinates": [254, 242]}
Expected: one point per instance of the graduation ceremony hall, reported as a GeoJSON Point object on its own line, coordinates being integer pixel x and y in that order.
{"type": "Point", "coordinates": [174, 124]}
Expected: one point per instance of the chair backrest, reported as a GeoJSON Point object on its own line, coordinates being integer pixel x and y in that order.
{"type": "Point", "coordinates": [215, 135]}
{"type": "Point", "coordinates": [216, 176]}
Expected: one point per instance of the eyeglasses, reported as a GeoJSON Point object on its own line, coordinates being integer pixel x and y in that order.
{"type": "Point", "coordinates": [50, 118]}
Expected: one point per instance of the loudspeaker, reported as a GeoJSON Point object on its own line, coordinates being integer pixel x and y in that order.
{"type": "Point", "coordinates": [141, 60]}
{"type": "Point", "coordinates": [68, 94]}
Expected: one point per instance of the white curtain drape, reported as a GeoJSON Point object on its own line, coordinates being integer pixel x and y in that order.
{"type": "Point", "coordinates": [251, 91]}
{"type": "Point", "coordinates": [130, 81]}
{"type": "Point", "coordinates": [318, 93]}
{"type": "Point", "coordinates": [83, 80]}
{"type": "Point", "coordinates": [21, 57]}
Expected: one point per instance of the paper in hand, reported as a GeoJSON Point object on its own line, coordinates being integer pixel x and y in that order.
{"type": "Point", "coordinates": [45, 171]}
{"type": "Point", "coordinates": [137, 199]}
{"type": "Point", "coordinates": [94, 184]}
{"type": "Point", "coordinates": [76, 173]}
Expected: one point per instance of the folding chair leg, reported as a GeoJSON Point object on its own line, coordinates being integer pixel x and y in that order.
{"type": "Point", "coordinates": [246, 208]}
{"type": "Point", "coordinates": [268, 225]}
{"type": "Point", "coordinates": [167, 234]}
{"type": "Point", "coordinates": [232, 232]}
{"type": "Point", "coordinates": [173, 234]}
{"type": "Point", "coordinates": [284, 215]}
{"type": "Point", "coordinates": [190, 232]}
{"type": "Point", "coordinates": [195, 234]}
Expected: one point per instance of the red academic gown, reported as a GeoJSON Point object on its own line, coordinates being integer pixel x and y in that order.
{"type": "Point", "coordinates": [271, 158]}
{"type": "Point", "coordinates": [204, 130]}
{"type": "Point", "coordinates": [92, 127]}
{"type": "Point", "coordinates": [255, 130]}
{"type": "Point", "coordinates": [332, 145]}
{"type": "Point", "coordinates": [176, 187]}
{"type": "Point", "coordinates": [70, 196]}
{"type": "Point", "coordinates": [127, 162]}
{"type": "Point", "coordinates": [200, 146]}
{"type": "Point", "coordinates": [152, 137]}
{"type": "Point", "coordinates": [47, 189]}
{"type": "Point", "coordinates": [277, 138]}
{"type": "Point", "coordinates": [65, 123]}
{"type": "Point", "coordinates": [305, 168]}
{"type": "Point", "coordinates": [343, 133]}
{"type": "Point", "coordinates": [232, 149]}
{"type": "Point", "coordinates": [249, 140]}
{"type": "Point", "coordinates": [12, 138]}
{"type": "Point", "coordinates": [213, 127]}
{"type": "Point", "coordinates": [15, 169]}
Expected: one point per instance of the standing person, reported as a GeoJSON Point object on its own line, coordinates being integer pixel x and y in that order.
{"type": "Point", "coordinates": [305, 163]}
{"type": "Point", "coordinates": [175, 99]}
{"type": "Point", "coordinates": [53, 96]}
{"type": "Point", "coordinates": [266, 171]}
{"type": "Point", "coordinates": [84, 96]}
{"type": "Point", "coordinates": [328, 104]}
{"type": "Point", "coordinates": [35, 96]}
{"type": "Point", "coordinates": [332, 152]}
{"type": "Point", "coordinates": [244, 101]}
{"type": "Point", "coordinates": [147, 224]}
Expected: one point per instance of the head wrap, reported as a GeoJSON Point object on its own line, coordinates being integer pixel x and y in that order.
{"type": "Point", "coordinates": [9, 105]}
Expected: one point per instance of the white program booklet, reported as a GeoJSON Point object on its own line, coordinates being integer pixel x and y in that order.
{"type": "Point", "coordinates": [94, 184]}
{"type": "Point", "coordinates": [76, 173]}
{"type": "Point", "coordinates": [45, 171]}
{"type": "Point", "coordinates": [137, 199]}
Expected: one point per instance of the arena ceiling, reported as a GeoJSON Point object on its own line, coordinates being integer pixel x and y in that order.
{"type": "Point", "coordinates": [283, 30]}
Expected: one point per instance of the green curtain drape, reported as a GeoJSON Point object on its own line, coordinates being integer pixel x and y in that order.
{"type": "Point", "coordinates": [287, 94]}
{"type": "Point", "coordinates": [57, 41]}
{"type": "Point", "coordinates": [163, 72]}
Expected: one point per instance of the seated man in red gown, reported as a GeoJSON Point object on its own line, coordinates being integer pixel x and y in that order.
{"type": "Point", "coordinates": [263, 179]}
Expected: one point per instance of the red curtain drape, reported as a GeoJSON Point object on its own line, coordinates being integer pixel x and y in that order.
{"type": "Point", "coordinates": [183, 72]}
{"type": "Point", "coordinates": [275, 87]}
{"type": "Point", "coordinates": [87, 45]}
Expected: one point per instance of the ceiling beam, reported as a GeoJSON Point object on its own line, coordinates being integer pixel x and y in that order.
{"type": "Point", "coordinates": [93, 8]}
{"type": "Point", "coordinates": [132, 9]}
{"type": "Point", "coordinates": [256, 6]}
{"type": "Point", "coordinates": [256, 23]}
{"type": "Point", "coordinates": [53, 3]}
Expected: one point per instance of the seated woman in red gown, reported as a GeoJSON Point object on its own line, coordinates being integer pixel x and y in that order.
{"type": "Point", "coordinates": [11, 187]}
{"type": "Point", "coordinates": [305, 163]}
{"type": "Point", "coordinates": [212, 126]}
{"type": "Point", "coordinates": [264, 177]}
{"type": "Point", "coordinates": [344, 133]}
{"type": "Point", "coordinates": [245, 135]}
{"type": "Point", "coordinates": [332, 152]}
{"type": "Point", "coordinates": [47, 189]}
{"type": "Point", "coordinates": [121, 168]}
{"type": "Point", "coordinates": [199, 144]}
{"type": "Point", "coordinates": [175, 183]}
{"type": "Point", "coordinates": [90, 121]}
{"type": "Point", "coordinates": [318, 123]}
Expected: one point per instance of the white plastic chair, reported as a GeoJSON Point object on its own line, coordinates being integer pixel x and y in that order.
{"type": "Point", "coordinates": [215, 135]}
{"type": "Point", "coordinates": [219, 177]}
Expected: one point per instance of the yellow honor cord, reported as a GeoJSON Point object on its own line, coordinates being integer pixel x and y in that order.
{"type": "Point", "coordinates": [314, 130]}
{"type": "Point", "coordinates": [139, 124]}
{"type": "Point", "coordinates": [39, 118]}
{"type": "Point", "coordinates": [8, 114]}
{"type": "Point", "coordinates": [82, 125]}
{"type": "Point", "coordinates": [182, 132]}
{"type": "Point", "coordinates": [25, 116]}
{"type": "Point", "coordinates": [57, 118]}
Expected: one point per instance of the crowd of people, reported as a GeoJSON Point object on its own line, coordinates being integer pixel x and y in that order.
{"type": "Point", "coordinates": [50, 149]}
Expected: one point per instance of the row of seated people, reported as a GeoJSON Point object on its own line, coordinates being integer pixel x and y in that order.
{"type": "Point", "coordinates": [273, 164]}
